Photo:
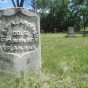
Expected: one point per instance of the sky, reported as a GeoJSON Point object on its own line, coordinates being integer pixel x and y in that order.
{"type": "Point", "coordinates": [8, 4]}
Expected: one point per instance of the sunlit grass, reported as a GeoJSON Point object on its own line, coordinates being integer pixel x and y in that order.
{"type": "Point", "coordinates": [64, 65]}
{"type": "Point", "coordinates": [67, 58]}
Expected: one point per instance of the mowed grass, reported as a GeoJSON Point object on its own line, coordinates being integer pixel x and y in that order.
{"type": "Point", "coordinates": [63, 53]}
{"type": "Point", "coordinates": [67, 58]}
{"type": "Point", "coordinates": [64, 65]}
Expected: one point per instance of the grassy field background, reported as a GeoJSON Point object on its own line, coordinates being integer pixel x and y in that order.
{"type": "Point", "coordinates": [64, 62]}
{"type": "Point", "coordinates": [67, 58]}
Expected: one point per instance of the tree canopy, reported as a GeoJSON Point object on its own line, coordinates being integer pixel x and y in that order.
{"type": "Point", "coordinates": [57, 15]}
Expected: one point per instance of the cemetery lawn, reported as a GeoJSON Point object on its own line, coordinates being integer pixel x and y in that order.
{"type": "Point", "coordinates": [64, 65]}
{"type": "Point", "coordinates": [66, 60]}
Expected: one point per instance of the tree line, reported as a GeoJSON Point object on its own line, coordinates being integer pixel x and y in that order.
{"type": "Point", "coordinates": [58, 15]}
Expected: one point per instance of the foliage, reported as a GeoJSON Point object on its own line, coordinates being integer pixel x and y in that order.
{"type": "Point", "coordinates": [65, 64]}
{"type": "Point", "coordinates": [84, 16]}
{"type": "Point", "coordinates": [57, 15]}
{"type": "Point", "coordinates": [62, 13]}
{"type": "Point", "coordinates": [52, 15]}
{"type": "Point", "coordinates": [73, 17]}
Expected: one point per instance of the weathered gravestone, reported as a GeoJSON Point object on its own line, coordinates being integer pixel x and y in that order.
{"type": "Point", "coordinates": [71, 32]}
{"type": "Point", "coordinates": [19, 41]}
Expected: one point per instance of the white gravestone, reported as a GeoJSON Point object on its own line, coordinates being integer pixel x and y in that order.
{"type": "Point", "coordinates": [19, 41]}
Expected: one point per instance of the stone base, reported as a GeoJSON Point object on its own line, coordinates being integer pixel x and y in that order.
{"type": "Point", "coordinates": [15, 63]}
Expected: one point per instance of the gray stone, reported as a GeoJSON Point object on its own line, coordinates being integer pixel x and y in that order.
{"type": "Point", "coordinates": [20, 49]}
{"type": "Point", "coordinates": [71, 32]}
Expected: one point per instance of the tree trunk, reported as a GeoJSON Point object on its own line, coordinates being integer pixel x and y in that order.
{"type": "Point", "coordinates": [84, 26]}
{"type": "Point", "coordinates": [17, 1]}
{"type": "Point", "coordinates": [13, 3]}
{"type": "Point", "coordinates": [21, 3]}
{"type": "Point", "coordinates": [34, 5]}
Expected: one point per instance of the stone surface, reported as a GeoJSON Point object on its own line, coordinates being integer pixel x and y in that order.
{"type": "Point", "coordinates": [19, 41]}
{"type": "Point", "coordinates": [71, 32]}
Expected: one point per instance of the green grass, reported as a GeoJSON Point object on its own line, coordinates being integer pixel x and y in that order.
{"type": "Point", "coordinates": [67, 58]}
{"type": "Point", "coordinates": [60, 52]}
{"type": "Point", "coordinates": [64, 62]}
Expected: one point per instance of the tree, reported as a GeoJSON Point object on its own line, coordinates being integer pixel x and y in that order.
{"type": "Point", "coordinates": [84, 17]}
{"type": "Point", "coordinates": [83, 5]}
{"type": "Point", "coordinates": [18, 3]}
{"type": "Point", "coordinates": [34, 5]}
{"type": "Point", "coordinates": [72, 13]}
{"type": "Point", "coordinates": [53, 14]}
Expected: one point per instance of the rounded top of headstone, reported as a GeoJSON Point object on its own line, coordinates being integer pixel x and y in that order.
{"type": "Point", "coordinates": [13, 11]}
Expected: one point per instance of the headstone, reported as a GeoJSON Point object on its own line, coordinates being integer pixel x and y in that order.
{"type": "Point", "coordinates": [71, 32]}
{"type": "Point", "coordinates": [20, 48]}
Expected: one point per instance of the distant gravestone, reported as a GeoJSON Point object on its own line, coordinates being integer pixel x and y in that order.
{"type": "Point", "coordinates": [19, 41]}
{"type": "Point", "coordinates": [71, 32]}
